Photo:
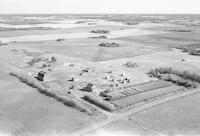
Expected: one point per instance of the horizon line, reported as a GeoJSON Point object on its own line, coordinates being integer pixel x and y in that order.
{"type": "Point", "coordinates": [100, 13]}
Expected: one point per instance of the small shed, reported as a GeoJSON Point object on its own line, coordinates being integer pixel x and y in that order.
{"type": "Point", "coordinates": [88, 88]}
{"type": "Point", "coordinates": [41, 75]}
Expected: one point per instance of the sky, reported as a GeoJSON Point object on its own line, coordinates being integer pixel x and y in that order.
{"type": "Point", "coordinates": [99, 6]}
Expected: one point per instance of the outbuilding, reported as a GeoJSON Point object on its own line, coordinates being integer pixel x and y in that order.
{"type": "Point", "coordinates": [41, 75]}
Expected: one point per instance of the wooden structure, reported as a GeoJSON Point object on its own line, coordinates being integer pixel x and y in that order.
{"type": "Point", "coordinates": [41, 75]}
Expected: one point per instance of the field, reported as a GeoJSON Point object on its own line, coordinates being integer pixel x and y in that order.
{"type": "Point", "coordinates": [25, 112]}
{"type": "Point", "coordinates": [142, 97]}
{"type": "Point", "coordinates": [139, 88]}
{"type": "Point", "coordinates": [79, 49]}
{"type": "Point", "coordinates": [165, 119]}
{"type": "Point", "coordinates": [143, 93]}
{"type": "Point", "coordinates": [73, 74]}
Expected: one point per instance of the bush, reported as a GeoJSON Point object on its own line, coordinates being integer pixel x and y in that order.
{"type": "Point", "coordinates": [178, 30]}
{"type": "Point", "coordinates": [101, 36]}
{"type": "Point", "coordinates": [183, 78]}
{"type": "Point", "coordinates": [60, 39]}
{"type": "Point", "coordinates": [80, 22]}
{"type": "Point", "coordinates": [53, 59]}
{"type": "Point", "coordinates": [34, 60]}
{"type": "Point", "coordinates": [44, 89]}
{"type": "Point", "coordinates": [44, 65]}
{"type": "Point", "coordinates": [100, 103]}
{"type": "Point", "coordinates": [132, 23]}
{"type": "Point", "coordinates": [100, 31]}
{"type": "Point", "coordinates": [179, 80]}
{"type": "Point", "coordinates": [191, 50]}
{"type": "Point", "coordinates": [73, 102]}
{"type": "Point", "coordinates": [105, 95]}
{"type": "Point", "coordinates": [131, 65]}
{"type": "Point", "coordinates": [194, 51]}
{"type": "Point", "coordinates": [107, 44]}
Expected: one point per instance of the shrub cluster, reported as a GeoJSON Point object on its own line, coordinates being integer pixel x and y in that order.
{"type": "Point", "coordinates": [53, 59]}
{"type": "Point", "coordinates": [46, 61]}
{"type": "Point", "coordinates": [101, 36]}
{"type": "Point", "coordinates": [100, 103]}
{"type": "Point", "coordinates": [183, 78]}
{"type": "Point", "coordinates": [191, 50]}
{"type": "Point", "coordinates": [34, 60]}
{"type": "Point", "coordinates": [131, 64]}
{"type": "Point", "coordinates": [132, 23]}
{"type": "Point", "coordinates": [44, 89]}
{"type": "Point", "coordinates": [179, 30]}
{"type": "Point", "coordinates": [194, 51]}
{"type": "Point", "coordinates": [107, 44]}
{"type": "Point", "coordinates": [60, 39]}
{"type": "Point", "coordinates": [100, 31]}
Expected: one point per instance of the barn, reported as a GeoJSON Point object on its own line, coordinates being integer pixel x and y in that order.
{"type": "Point", "coordinates": [41, 75]}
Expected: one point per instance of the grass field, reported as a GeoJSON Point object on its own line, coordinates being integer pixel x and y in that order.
{"type": "Point", "coordinates": [25, 112]}
{"type": "Point", "coordinates": [179, 117]}
{"type": "Point", "coordinates": [144, 42]}
{"type": "Point", "coordinates": [79, 49]}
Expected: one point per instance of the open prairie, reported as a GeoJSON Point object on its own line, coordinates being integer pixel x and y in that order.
{"type": "Point", "coordinates": [83, 74]}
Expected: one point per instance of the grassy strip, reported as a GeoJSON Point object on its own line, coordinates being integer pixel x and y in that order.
{"type": "Point", "coordinates": [44, 89]}
{"type": "Point", "coordinates": [183, 78]}
{"type": "Point", "coordinates": [100, 103]}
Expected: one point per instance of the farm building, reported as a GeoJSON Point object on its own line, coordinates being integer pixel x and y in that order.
{"type": "Point", "coordinates": [41, 75]}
